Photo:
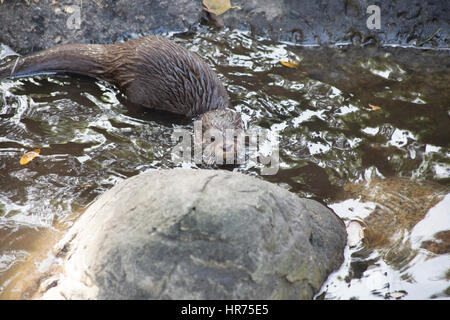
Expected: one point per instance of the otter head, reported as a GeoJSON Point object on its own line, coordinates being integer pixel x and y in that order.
{"type": "Point", "coordinates": [222, 137]}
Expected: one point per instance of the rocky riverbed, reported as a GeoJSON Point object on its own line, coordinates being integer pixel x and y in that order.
{"type": "Point", "coordinates": [26, 27]}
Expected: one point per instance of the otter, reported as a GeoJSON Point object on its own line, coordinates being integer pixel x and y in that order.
{"type": "Point", "coordinates": [151, 71]}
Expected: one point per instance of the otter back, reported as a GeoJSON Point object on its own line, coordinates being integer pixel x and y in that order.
{"type": "Point", "coordinates": [151, 71]}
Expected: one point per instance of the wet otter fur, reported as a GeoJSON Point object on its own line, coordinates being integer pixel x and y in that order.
{"type": "Point", "coordinates": [151, 71]}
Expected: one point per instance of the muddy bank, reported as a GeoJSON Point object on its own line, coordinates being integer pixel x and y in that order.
{"type": "Point", "coordinates": [47, 23]}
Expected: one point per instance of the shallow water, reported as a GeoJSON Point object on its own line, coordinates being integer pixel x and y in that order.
{"type": "Point", "coordinates": [329, 138]}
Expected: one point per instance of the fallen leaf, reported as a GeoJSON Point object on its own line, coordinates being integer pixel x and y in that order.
{"type": "Point", "coordinates": [374, 107]}
{"type": "Point", "coordinates": [27, 157]}
{"type": "Point", "coordinates": [290, 64]}
{"type": "Point", "coordinates": [218, 7]}
{"type": "Point", "coordinates": [69, 10]}
{"type": "Point", "coordinates": [98, 3]}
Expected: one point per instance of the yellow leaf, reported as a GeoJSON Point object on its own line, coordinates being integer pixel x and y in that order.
{"type": "Point", "coordinates": [290, 64]}
{"type": "Point", "coordinates": [27, 157]}
{"type": "Point", "coordinates": [374, 107]}
{"type": "Point", "coordinates": [218, 7]}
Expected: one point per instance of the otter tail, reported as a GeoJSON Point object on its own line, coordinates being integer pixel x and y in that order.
{"type": "Point", "coordinates": [77, 58]}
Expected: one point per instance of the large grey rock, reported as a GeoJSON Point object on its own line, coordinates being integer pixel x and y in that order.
{"type": "Point", "coordinates": [198, 234]}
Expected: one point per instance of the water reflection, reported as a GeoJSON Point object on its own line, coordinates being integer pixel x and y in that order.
{"type": "Point", "coordinates": [405, 249]}
{"type": "Point", "coordinates": [330, 138]}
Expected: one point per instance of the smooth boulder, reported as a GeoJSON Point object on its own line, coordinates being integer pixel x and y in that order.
{"type": "Point", "coordinates": [197, 234]}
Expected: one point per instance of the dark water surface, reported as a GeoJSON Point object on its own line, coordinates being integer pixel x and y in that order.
{"type": "Point", "coordinates": [330, 139]}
